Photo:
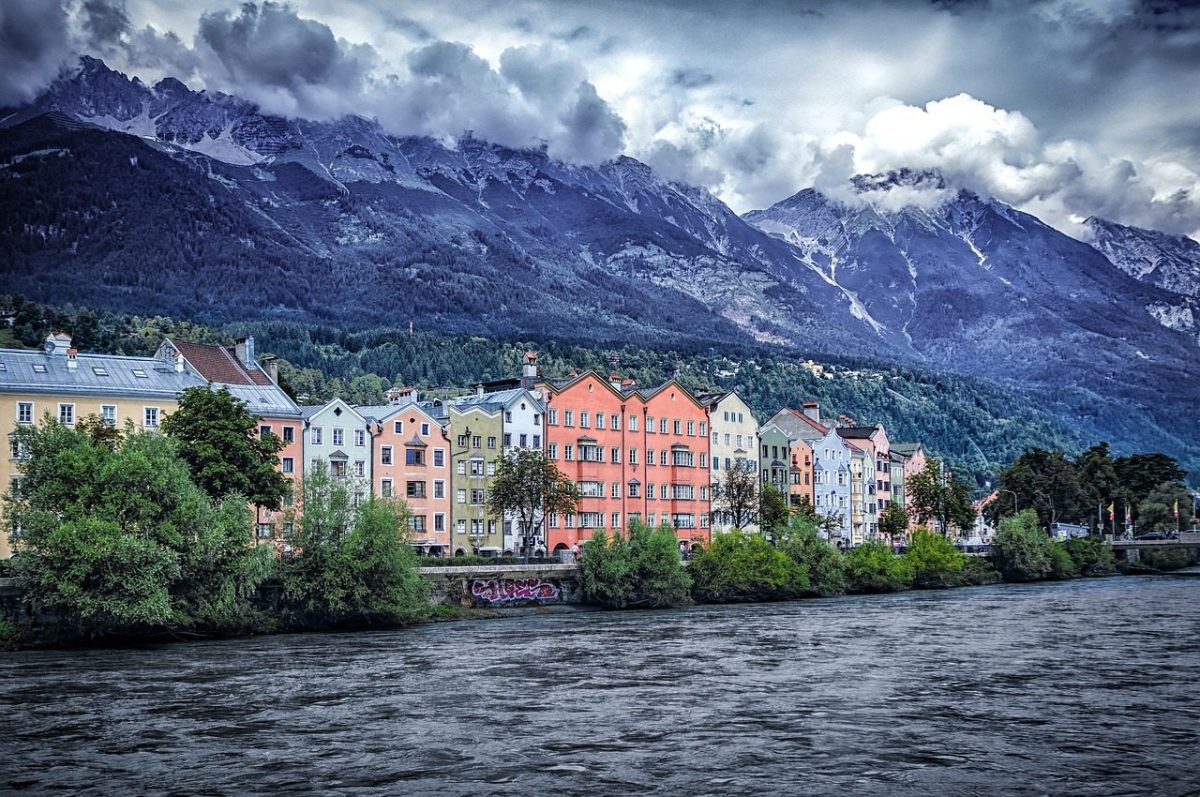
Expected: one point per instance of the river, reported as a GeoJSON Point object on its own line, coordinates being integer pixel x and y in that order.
{"type": "Point", "coordinates": [1087, 687]}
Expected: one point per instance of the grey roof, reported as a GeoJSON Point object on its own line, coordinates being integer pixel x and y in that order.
{"type": "Point", "coordinates": [309, 410]}
{"type": "Point", "coordinates": [99, 374]}
{"type": "Point", "coordinates": [267, 400]}
{"type": "Point", "coordinates": [502, 398]}
{"type": "Point", "coordinates": [383, 412]}
{"type": "Point", "coordinates": [904, 449]}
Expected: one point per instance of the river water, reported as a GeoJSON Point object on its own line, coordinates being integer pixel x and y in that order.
{"type": "Point", "coordinates": [1088, 687]}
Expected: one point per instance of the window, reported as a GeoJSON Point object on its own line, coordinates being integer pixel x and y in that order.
{"type": "Point", "coordinates": [704, 460]}
{"type": "Point", "coordinates": [553, 521]}
{"type": "Point", "coordinates": [385, 455]}
{"type": "Point", "coordinates": [263, 431]}
{"type": "Point", "coordinates": [662, 425]}
{"type": "Point", "coordinates": [360, 468]}
{"type": "Point", "coordinates": [424, 429]}
{"type": "Point", "coordinates": [568, 452]}
{"type": "Point", "coordinates": [289, 465]}
{"type": "Point", "coordinates": [616, 490]}
{"type": "Point", "coordinates": [439, 457]}
{"type": "Point", "coordinates": [682, 458]}
{"type": "Point", "coordinates": [703, 429]}
{"type": "Point", "coordinates": [477, 441]}
{"type": "Point", "coordinates": [523, 440]}
{"type": "Point", "coordinates": [16, 449]}
{"type": "Point", "coordinates": [339, 437]}
{"type": "Point", "coordinates": [678, 427]}
{"type": "Point", "coordinates": [716, 439]}
{"type": "Point", "coordinates": [633, 423]}
{"type": "Point", "coordinates": [634, 490]}
{"type": "Point", "coordinates": [616, 456]}
{"type": "Point", "coordinates": [398, 426]}
{"type": "Point", "coordinates": [616, 423]}
{"type": "Point", "coordinates": [552, 451]}
{"type": "Point", "coordinates": [662, 491]}
{"type": "Point", "coordinates": [568, 418]}
{"type": "Point", "coordinates": [25, 412]}
{"type": "Point", "coordinates": [616, 520]}
{"type": "Point", "coordinates": [691, 427]}
{"type": "Point", "coordinates": [416, 523]}
{"type": "Point", "coordinates": [477, 497]}
{"type": "Point", "coordinates": [439, 522]}
{"type": "Point", "coordinates": [108, 415]}
{"type": "Point", "coordinates": [662, 457]}
{"type": "Point", "coordinates": [439, 489]}
{"type": "Point", "coordinates": [537, 419]}
{"type": "Point", "coordinates": [66, 414]}
{"type": "Point", "coordinates": [477, 467]}
{"type": "Point", "coordinates": [491, 468]}
{"type": "Point", "coordinates": [140, 374]}
{"type": "Point", "coordinates": [289, 434]}
{"type": "Point", "coordinates": [150, 417]}
{"type": "Point", "coordinates": [683, 492]}
{"type": "Point", "coordinates": [633, 457]}
{"type": "Point", "coordinates": [263, 531]}
{"type": "Point", "coordinates": [552, 417]}
{"type": "Point", "coordinates": [537, 441]}
{"type": "Point", "coordinates": [650, 458]}
{"type": "Point", "coordinates": [461, 496]}
{"type": "Point", "coordinates": [414, 489]}
{"type": "Point", "coordinates": [462, 467]}
{"type": "Point", "coordinates": [39, 368]}
{"type": "Point", "coordinates": [385, 488]}
{"type": "Point", "coordinates": [492, 441]}
{"type": "Point", "coordinates": [589, 520]}
{"type": "Point", "coordinates": [591, 489]}
{"type": "Point", "coordinates": [508, 415]}
{"type": "Point", "coordinates": [583, 419]}
{"type": "Point", "coordinates": [316, 435]}
{"type": "Point", "coordinates": [650, 424]}
{"type": "Point", "coordinates": [414, 456]}
{"type": "Point", "coordinates": [462, 441]}
{"type": "Point", "coordinates": [599, 420]}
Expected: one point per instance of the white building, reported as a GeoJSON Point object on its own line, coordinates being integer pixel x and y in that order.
{"type": "Point", "coordinates": [336, 434]}
{"type": "Point", "coordinates": [733, 443]}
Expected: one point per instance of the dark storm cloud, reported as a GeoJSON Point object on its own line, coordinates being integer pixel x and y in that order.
{"type": "Point", "coordinates": [105, 22]}
{"type": "Point", "coordinates": [286, 62]}
{"type": "Point", "coordinates": [34, 45]}
{"type": "Point", "coordinates": [691, 78]}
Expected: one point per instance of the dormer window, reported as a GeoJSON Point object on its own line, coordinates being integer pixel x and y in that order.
{"type": "Point", "coordinates": [39, 368]}
{"type": "Point", "coordinates": [99, 370]}
{"type": "Point", "coordinates": [140, 373]}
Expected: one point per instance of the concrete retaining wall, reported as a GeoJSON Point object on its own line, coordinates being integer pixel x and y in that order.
{"type": "Point", "coordinates": [503, 585]}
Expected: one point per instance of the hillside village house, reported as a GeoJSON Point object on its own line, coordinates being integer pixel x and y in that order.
{"type": "Point", "coordinates": [410, 460]}
{"type": "Point", "coordinates": [234, 368]}
{"type": "Point", "coordinates": [68, 386]}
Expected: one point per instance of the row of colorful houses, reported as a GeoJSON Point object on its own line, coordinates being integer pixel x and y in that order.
{"type": "Point", "coordinates": [656, 455]}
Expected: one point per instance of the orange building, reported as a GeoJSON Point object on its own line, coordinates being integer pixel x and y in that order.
{"type": "Point", "coordinates": [636, 454]}
{"type": "Point", "coordinates": [236, 369]}
{"type": "Point", "coordinates": [410, 453]}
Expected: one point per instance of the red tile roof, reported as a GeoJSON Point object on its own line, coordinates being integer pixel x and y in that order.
{"type": "Point", "coordinates": [217, 364]}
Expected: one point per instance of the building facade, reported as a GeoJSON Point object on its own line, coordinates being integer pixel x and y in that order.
{"type": "Point", "coordinates": [477, 434]}
{"type": "Point", "coordinates": [335, 434]}
{"type": "Point", "coordinates": [410, 456]}
{"type": "Point", "coordinates": [831, 474]}
{"type": "Point", "coordinates": [876, 474]}
{"type": "Point", "coordinates": [733, 433]}
{"type": "Point", "coordinates": [68, 386]}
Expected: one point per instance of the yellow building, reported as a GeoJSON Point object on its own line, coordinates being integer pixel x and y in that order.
{"type": "Point", "coordinates": [68, 386]}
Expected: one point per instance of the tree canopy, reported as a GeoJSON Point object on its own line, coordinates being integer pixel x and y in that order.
{"type": "Point", "coordinates": [529, 485]}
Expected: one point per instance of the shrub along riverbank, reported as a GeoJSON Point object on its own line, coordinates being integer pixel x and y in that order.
{"type": "Point", "coordinates": [797, 563]}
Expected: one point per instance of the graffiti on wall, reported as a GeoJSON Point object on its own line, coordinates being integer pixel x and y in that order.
{"type": "Point", "coordinates": [499, 591]}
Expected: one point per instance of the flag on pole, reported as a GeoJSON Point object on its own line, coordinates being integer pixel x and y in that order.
{"type": "Point", "coordinates": [1177, 508]}
{"type": "Point", "coordinates": [1112, 511]}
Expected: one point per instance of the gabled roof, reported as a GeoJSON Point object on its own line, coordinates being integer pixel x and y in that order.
{"type": "Point", "coordinates": [222, 368]}
{"type": "Point", "coordinates": [799, 415]}
{"type": "Point", "coordinates": [906, 449]}
{"type": "Point", "coordinates": [857, 432]}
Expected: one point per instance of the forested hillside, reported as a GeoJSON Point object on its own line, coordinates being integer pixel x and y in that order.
{"type": "Point", "coordinates": [979, 425]}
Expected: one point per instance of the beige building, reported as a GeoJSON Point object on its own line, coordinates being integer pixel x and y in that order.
{"type": "Point", "coordinates": [68, 386]}
{"type": "Point", "coordinates": [733, 442]}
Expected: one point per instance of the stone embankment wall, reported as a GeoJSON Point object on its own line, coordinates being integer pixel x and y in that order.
{"type": "Point", "coordinates": [503, 585]}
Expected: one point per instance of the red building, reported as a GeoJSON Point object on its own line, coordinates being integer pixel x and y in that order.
{"type": "Point", "coordinates": [636, 454]}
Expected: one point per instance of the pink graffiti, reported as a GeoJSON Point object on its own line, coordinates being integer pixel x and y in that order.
{"type": "Point", "coordinates": [507, 590]}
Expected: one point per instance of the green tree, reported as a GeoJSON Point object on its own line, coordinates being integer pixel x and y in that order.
{"type": "Point", "coordinates": [1092, 556]}
{"type": "Point", "coordinates": [640, 571]}
{"type": "Point", "coordinates": [936, 497]}
{"type": "Point", "coordinates": [773, 512]}
{"type": "Point", "coordinates": [934, 560]}
{"type": "Point", "coordinates": [1022, 551]}
{"type": "Point", "coordinates": [872, 567]}
{"type": "Point", "coordinates": [736, 495]}
{"type": "Point", "coordinates": [531, 486]}
{"type": "Point", "coordinates": [822, 561]}
{"type": "Point", "coordinates": [1046, 482]}
{"type": "Point", "coordinates": [221, 445]}
{"type": "Point", "coordinates": [1097, 473]}
{"type": "Point", "coordinates": [349, 561]}
{"type": "Point", "coordinates": [739, 567]}
{"type": "Point", "coordinates": [1166, 508]}
{"type": "Point", "coordinates": [118, 540]}
{"type": "Point", "coordinates": [893, 523]}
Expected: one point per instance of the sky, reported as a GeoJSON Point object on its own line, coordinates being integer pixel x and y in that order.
{"type": "Point", "coordinates": [1066, 109]}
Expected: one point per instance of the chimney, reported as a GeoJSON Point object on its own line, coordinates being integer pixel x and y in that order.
{"type": "Point", "coordinates": [72, 361]}
{"type": "Point", "coordinates": [245, 351]}
{"type": "Point", "coordinates": [179, 362]}
{"type": "Point", "coordinates": [479, 389]}
{"type": "Point", "coordinates": [813, 410]}
{"type": "Point", "coordinates": [270, 364]}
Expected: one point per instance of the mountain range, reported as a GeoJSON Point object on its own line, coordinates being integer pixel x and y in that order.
{"type": "Point", "coordinates": [160, 199]}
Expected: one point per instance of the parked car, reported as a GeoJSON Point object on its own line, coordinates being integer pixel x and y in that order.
{"type": "Point", "coordinates": [1153, 535]}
